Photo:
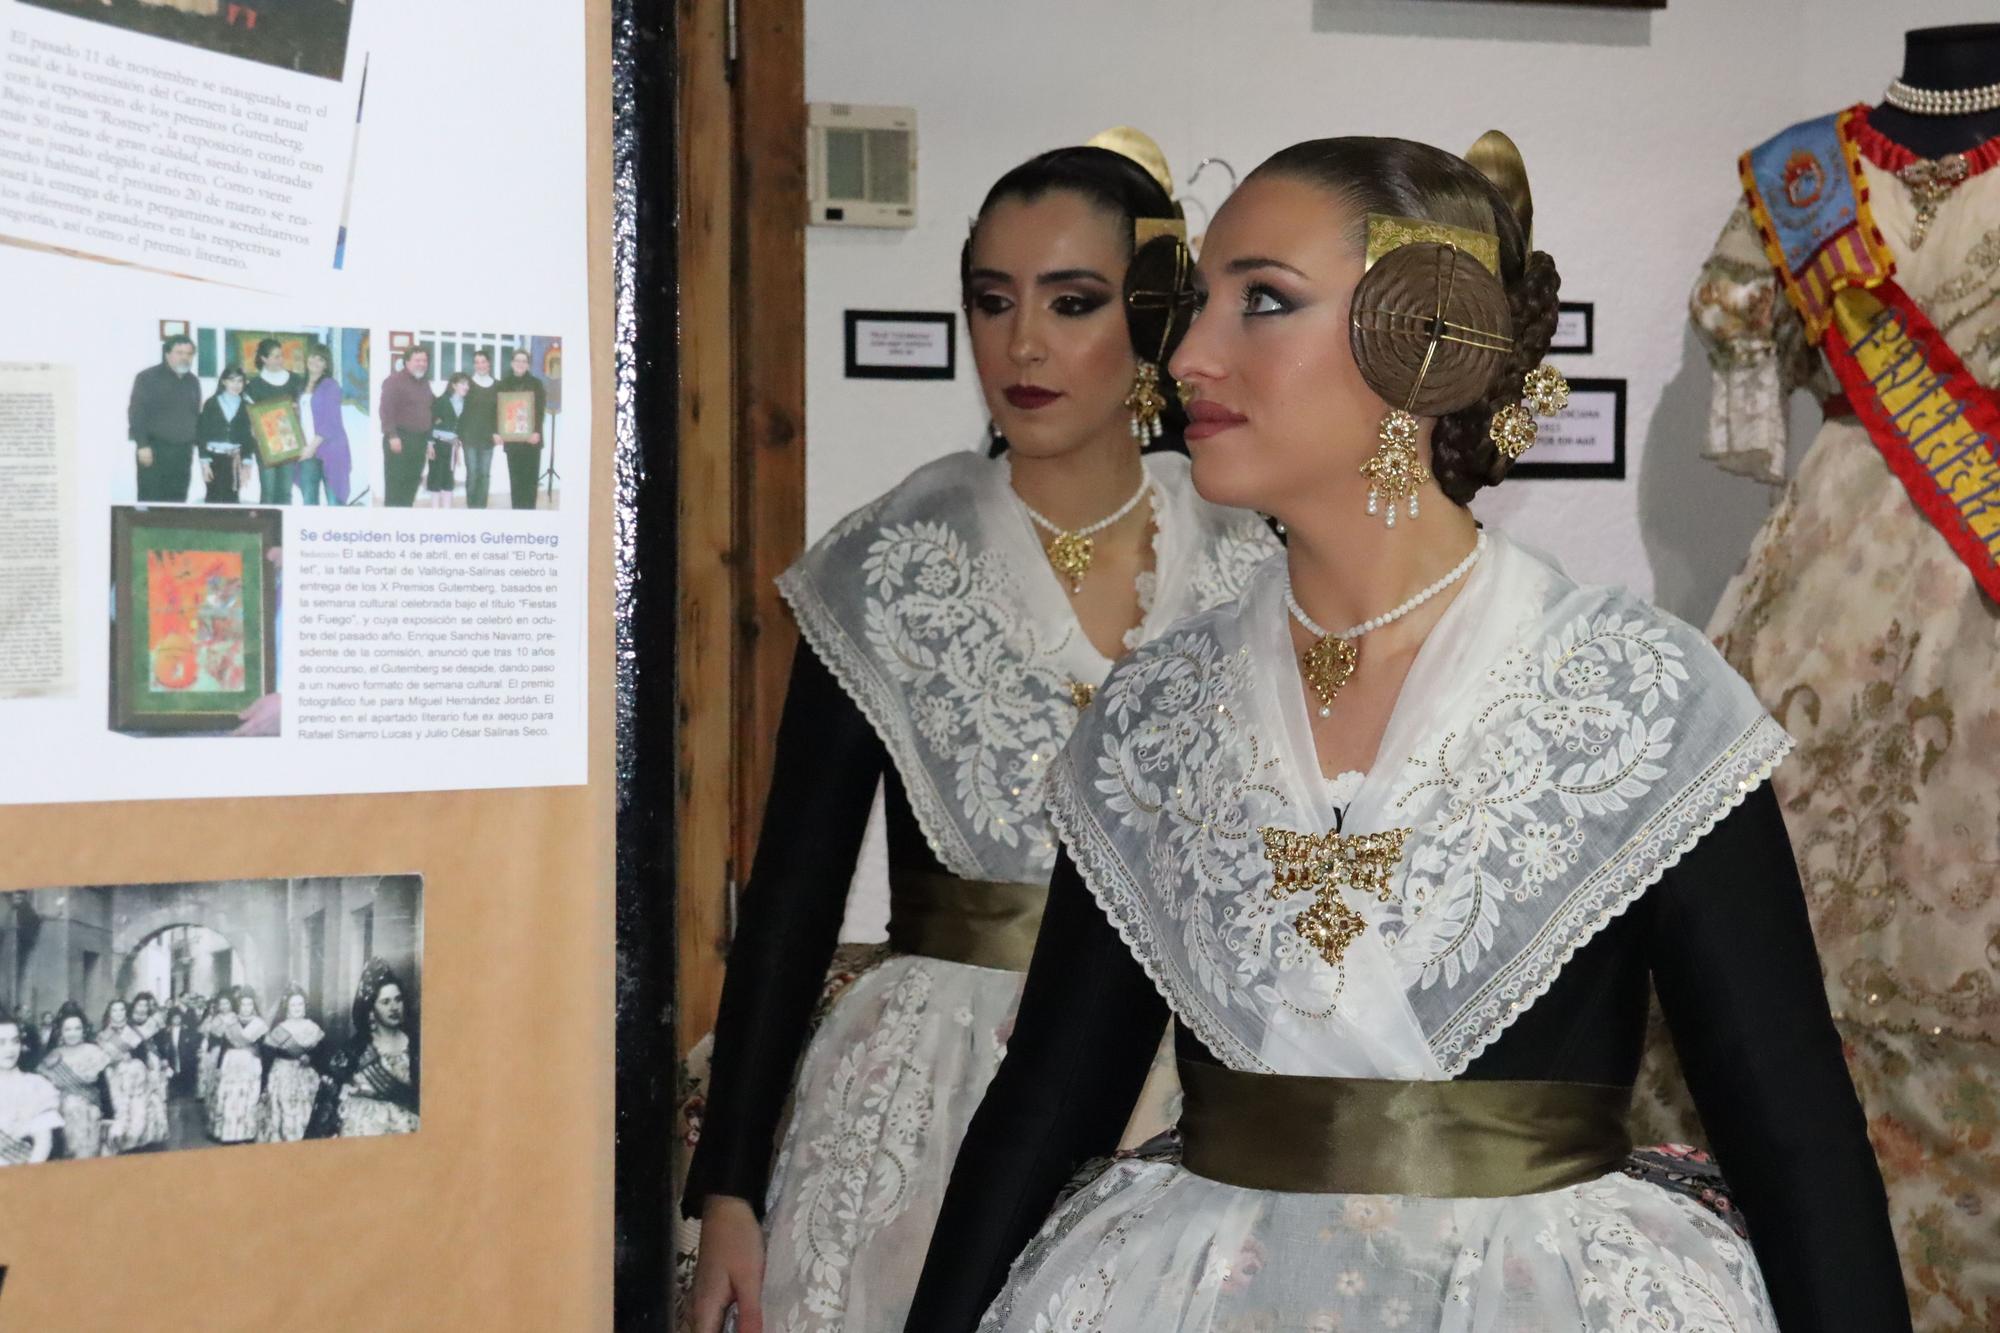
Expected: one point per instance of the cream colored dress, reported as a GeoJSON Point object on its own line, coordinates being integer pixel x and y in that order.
{"type": "Point", "coordinates": [1868, 639]}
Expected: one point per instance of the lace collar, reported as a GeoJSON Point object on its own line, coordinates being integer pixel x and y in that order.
{"type": "Point", "coordinates": [1554, 750]}
{"type": "Point", "coordinates": [936, 609]}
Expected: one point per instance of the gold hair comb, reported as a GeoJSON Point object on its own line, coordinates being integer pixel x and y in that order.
{"type": "Point", "coordinates": [1387, 233]}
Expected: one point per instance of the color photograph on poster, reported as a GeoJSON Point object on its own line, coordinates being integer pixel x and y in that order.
{"type": "Point", "coordinates": [146, 1018]}
{"type": "Point", "coordinates": [194, 632]}
{"type": "Point", "coordinates": [452, 402]}
{"type": "Point", "coordinates": [206, 420]}
{"type": "Point", "coordinates": [307, 36]}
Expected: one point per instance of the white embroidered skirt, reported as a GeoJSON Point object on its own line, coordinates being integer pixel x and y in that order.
{"type": "Point", "coordinates": [883, 1099]}
{"type": "Point", "coordinates": [1151, 1248]}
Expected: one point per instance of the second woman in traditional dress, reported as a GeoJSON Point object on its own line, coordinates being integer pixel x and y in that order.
{"type": "Point", "coordinates": [129, 1077]}
{"type": "Point", "coordinates": [379, 1075]}
{"type": "Point", "coordinates": [1399, 839]}
{"type": "Point", "coordinates": [239, 1078]}
{"type": "Point", "coordinates": [76, 1067]}
{"type": "Point", "coordinates": [210, 1058]}
{"type": "Point", "coordinates": [30, 1107]}
{"type": "Point", "coordinates": [291, 1084]}
{"type": "Point", "coordinates": [953, 630]}
{"type": "Point", "coordinates": [148, 1021]}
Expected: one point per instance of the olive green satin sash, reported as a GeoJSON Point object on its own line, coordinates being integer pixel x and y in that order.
{"type": "Point", "coordinates": [1462, 1139]}
{"type": "Point", "coordinates": [984, 923]}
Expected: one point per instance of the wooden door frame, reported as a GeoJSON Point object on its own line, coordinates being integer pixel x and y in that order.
{"type": "Point", "coordinates": [741, 450]}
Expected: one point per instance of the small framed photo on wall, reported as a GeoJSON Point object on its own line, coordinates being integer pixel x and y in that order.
{"type": "Point", "coordinates": [1584, 440]}
{"type": "Point", "coordinates": [902, 345]}
{"type": "Point", "coordinates": [1576, 329]}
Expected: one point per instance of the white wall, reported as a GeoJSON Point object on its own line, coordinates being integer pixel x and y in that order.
{"type": "Point", "coordinates": [1630, 123]}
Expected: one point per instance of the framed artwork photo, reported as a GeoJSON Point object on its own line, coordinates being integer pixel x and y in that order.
{"type": "Point", "coordinates": [291, 349]}
{"type": "Point", "coordinates": [516, 411]}
{"type": "Point", "coordinates": [279, 431]}
{"type": "Point", "coordinates": [194, 633]}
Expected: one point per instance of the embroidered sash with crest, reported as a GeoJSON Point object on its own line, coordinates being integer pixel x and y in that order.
{"type": "Point", "coordinates": [1936, 426]}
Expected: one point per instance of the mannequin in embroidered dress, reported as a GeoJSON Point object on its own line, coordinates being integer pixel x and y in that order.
{"type": "Point", "coordinates": [1404, 912]}
{"type": "Point", "coordinates": [953, 629]}
{"type": "Point", "coordinates": [1865, 616]}
{"type": "Point", "coordinates": [1963, 59]}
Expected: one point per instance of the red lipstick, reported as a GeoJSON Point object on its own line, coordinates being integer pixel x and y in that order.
{"type": "Point", "coordinates": [1029, 397]}
{"type": "Point", "coordinates": [1207, 417]}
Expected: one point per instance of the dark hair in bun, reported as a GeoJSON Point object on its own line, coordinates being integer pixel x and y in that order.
{"type": "Point", "coordinates": [1402, 178]}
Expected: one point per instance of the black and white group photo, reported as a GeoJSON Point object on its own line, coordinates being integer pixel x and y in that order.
{"type": "Point", "coordinates": [146, 1018]}
{"type": "Point", "coordinates": [307, 36]}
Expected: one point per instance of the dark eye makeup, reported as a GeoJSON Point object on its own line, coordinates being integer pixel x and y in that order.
{"type": "Point", "coordinates": [1261, 298]}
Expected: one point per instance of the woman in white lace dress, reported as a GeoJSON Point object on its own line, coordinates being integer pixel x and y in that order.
{"type": "Point", "coordinates": [953, 629]}
{"type": "Point", "coordinates": [148, 1021]}
{"type": "Point", "coordinates": [129, 1077]}
{"type": "Point", "coordinates": [291, 1085]}
{"type": "Point", "coordinates": [239, 1078]}
{"type": "Point", "coordinates": [1411, 1002]}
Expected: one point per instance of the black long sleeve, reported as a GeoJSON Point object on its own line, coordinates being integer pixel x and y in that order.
{"type": "Point", "coordinates": [824, 775]}
{"type": "Point", "coordinates": [1083, 1039]}
{"type": "Point", "coordinates": [1733, 960]}
{"type": "Point", "coordinates": [1726, 937]}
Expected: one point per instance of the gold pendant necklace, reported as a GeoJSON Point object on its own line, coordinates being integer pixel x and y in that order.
{"type": "Point", "coordinates": [1333, 658]}
{"type": "Point", "coordinates": [1072, 550]}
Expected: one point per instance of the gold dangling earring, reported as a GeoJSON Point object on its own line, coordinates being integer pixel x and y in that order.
{"type": "Point", "coordinates": [1145, 403]}
{"type": "Point", "coordinates": [1396, 472]}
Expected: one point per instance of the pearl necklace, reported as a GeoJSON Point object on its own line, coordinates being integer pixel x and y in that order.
{"type": "Point", "coordinates": [1331, 661]}
{"type": "Point", "coordinates": [1072, 550]}
{"type": "Point", "coordinates": [1942, 101]}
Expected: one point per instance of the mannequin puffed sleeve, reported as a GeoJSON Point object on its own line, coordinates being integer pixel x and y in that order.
{"type": "Point", "coordinates": [1085, 1033]}
{"type": "Point", "coordinates": [828, 764]}
{"type": "Point", "coordinates": [1756, 348]}
{"type": "Point", "coordinates": [1732, 956]}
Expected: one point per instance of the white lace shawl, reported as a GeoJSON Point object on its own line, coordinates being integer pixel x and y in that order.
{"type": "Point", "coordinates": [936, 609]}
{"type": "Point", "coordinates": [1555, 748]}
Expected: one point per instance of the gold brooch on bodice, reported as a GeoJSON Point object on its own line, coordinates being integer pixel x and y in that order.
{"type": "Point", "coordinates": [1322, 863]}
{"type": "Point", "coordinates": [1930, 184]}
